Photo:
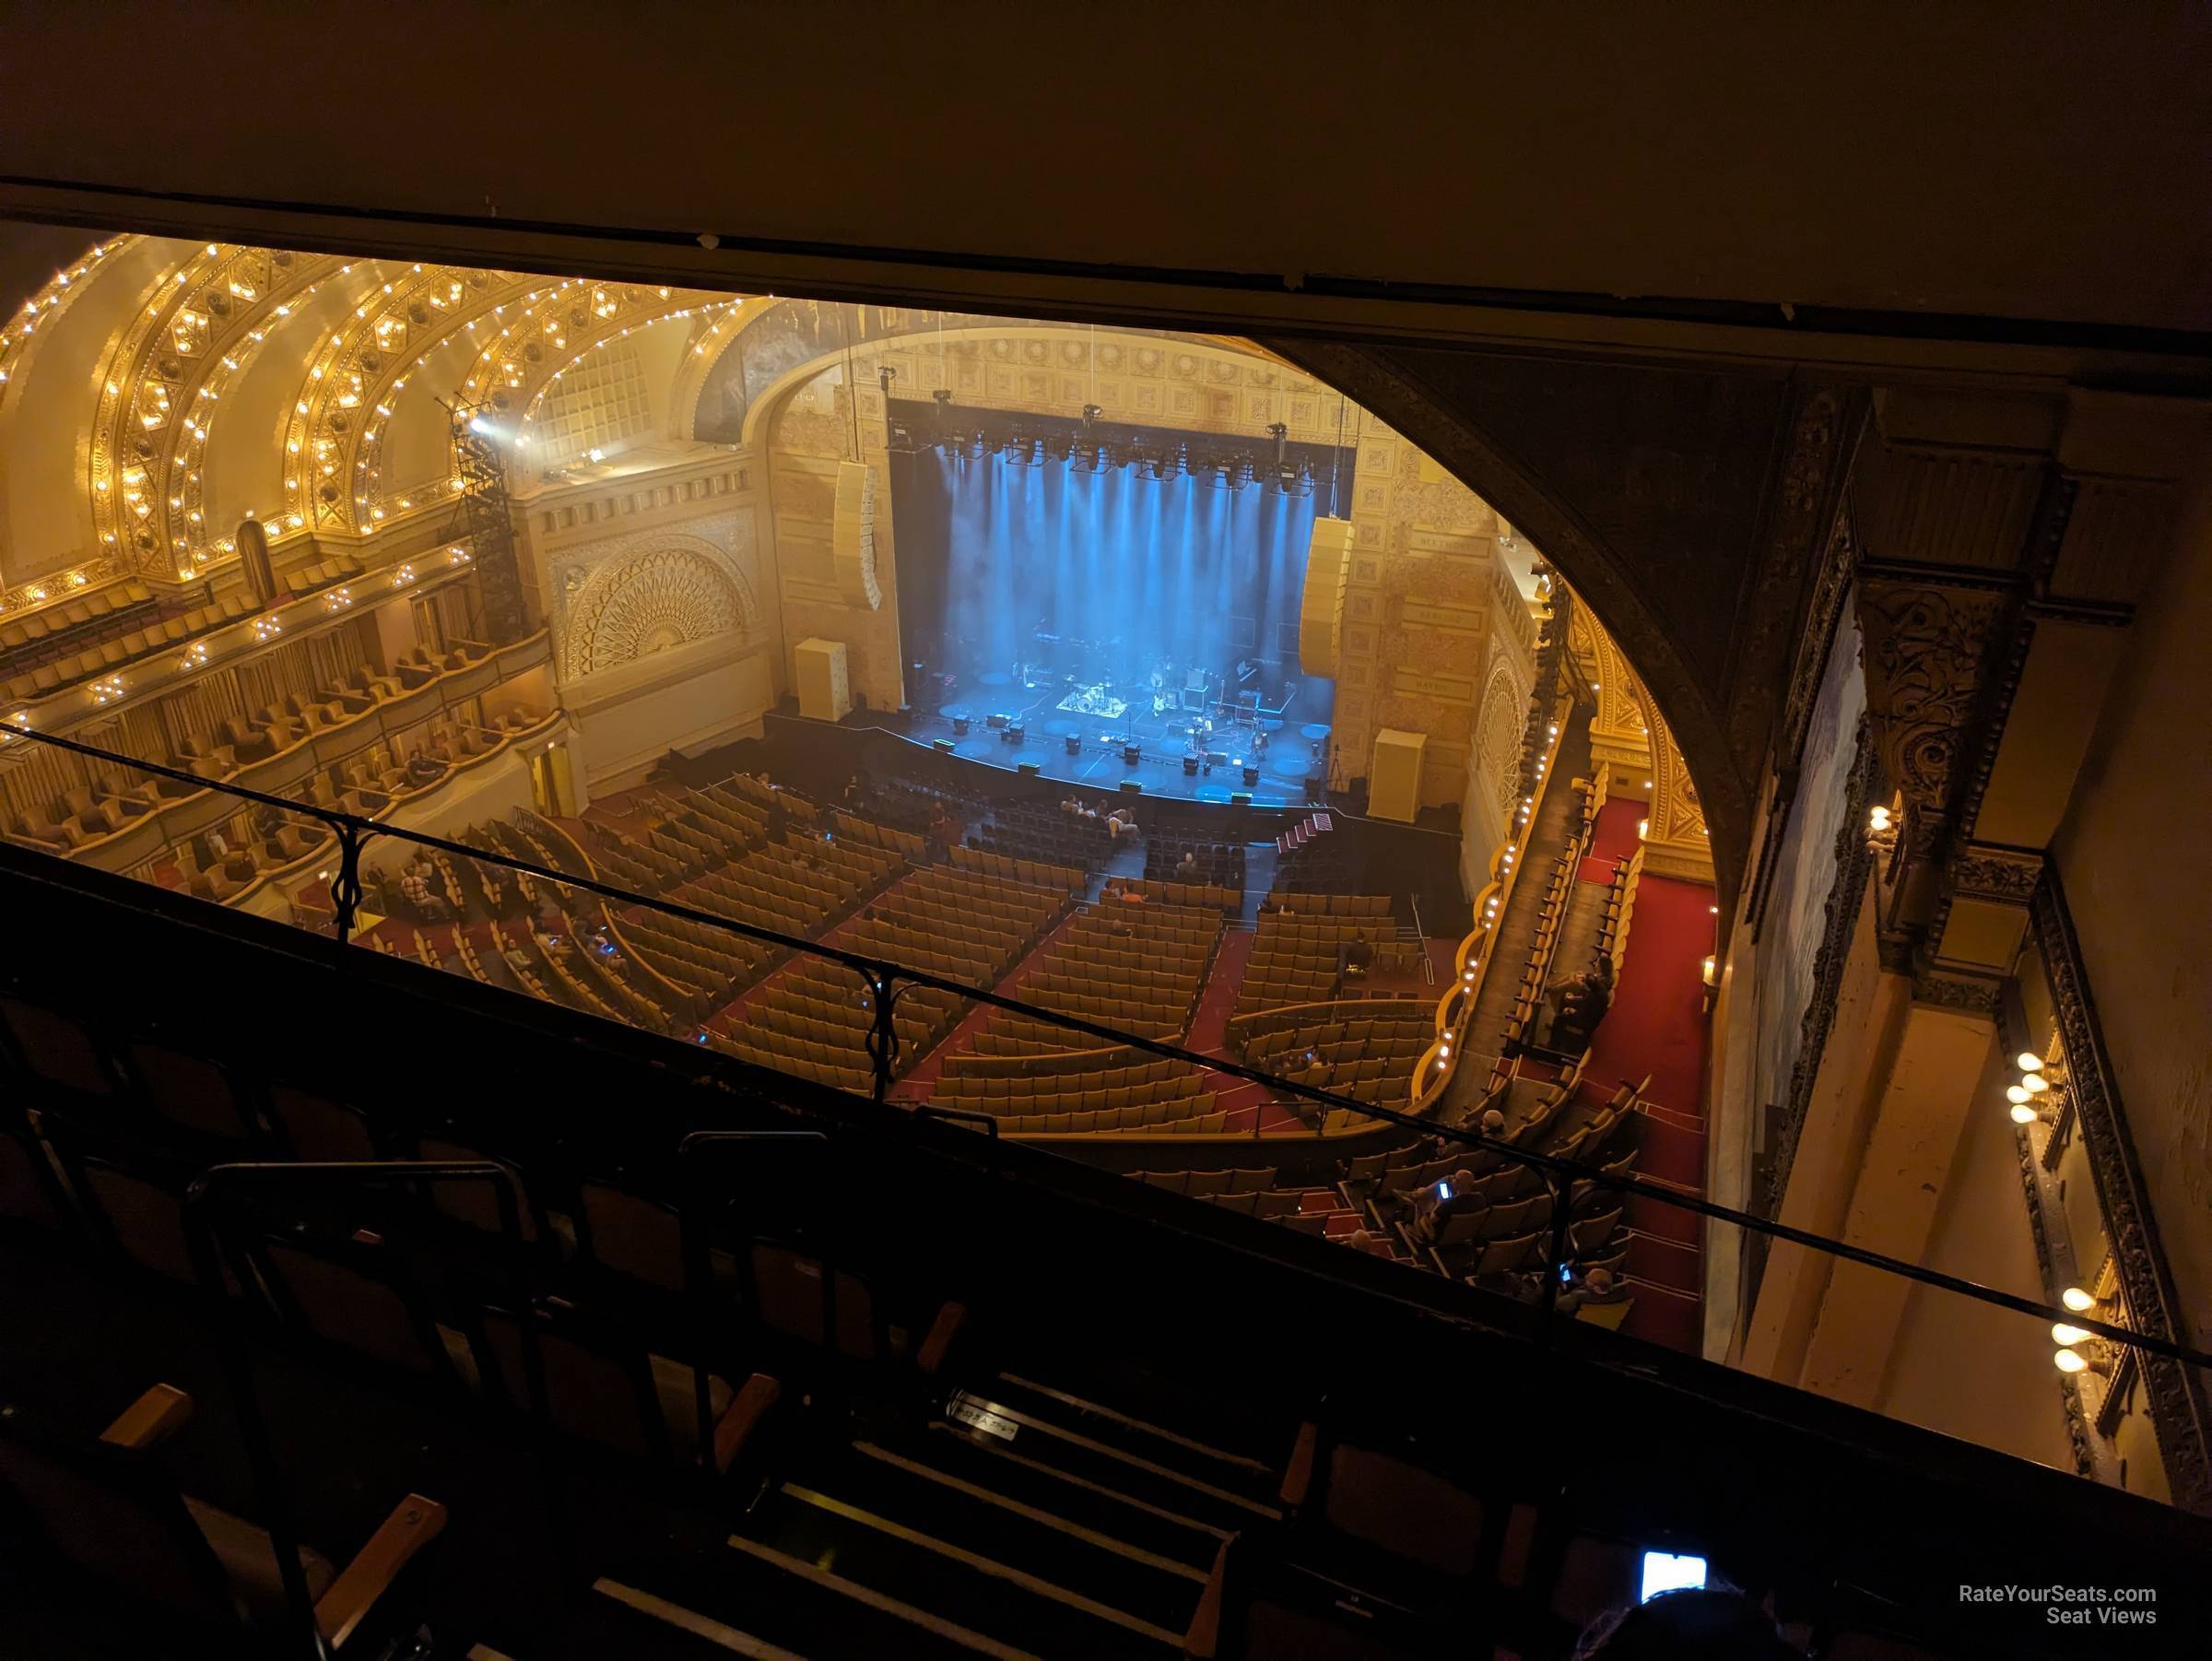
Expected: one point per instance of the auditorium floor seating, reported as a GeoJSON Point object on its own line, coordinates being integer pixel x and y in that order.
{"type": "Point", "coordinates": [1154, 1420]}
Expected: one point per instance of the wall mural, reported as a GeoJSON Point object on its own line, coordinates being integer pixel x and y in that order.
{"type": "Point", "coordinates": [1804, 871]}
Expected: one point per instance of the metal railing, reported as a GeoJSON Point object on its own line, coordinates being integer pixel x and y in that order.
{"type": "Point", "coordinates": [886, 981]}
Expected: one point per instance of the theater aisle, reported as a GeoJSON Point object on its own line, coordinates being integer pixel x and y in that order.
{"type": "Point", "coordinates": [1657, 1026]}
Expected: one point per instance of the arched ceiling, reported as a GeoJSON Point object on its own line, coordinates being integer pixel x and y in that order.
{"type": "Point", "coordinates": [155, 393]}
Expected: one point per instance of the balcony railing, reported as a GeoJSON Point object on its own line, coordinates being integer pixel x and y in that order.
{"type": "Point", "coordinates": [884, 981]}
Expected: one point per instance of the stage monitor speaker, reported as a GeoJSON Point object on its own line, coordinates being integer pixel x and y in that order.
{"type": "Point", "coordinates": [1131, 787]}
{"type": "Point", "coordinates": [1029, 769]}
{"type": "Point", "coordinates": [945, 745]}
{"type": "Point", "coordinates": [1075, 744]}
{"type": "Point", "coordinates": [1190, 766]}
{"type": "Point", "coordinates": [996, 723]}
{"type": "Point", "coordinates": [959, 727]}
{"type": "Point", "coordinates": [1252, 774]}
{"type": "Point", "coordinates": [1013, 733]}
{"type": "Point", "coordinates": [1239, 798]}
{"type": "Point", "coordinates": [1131, 755]}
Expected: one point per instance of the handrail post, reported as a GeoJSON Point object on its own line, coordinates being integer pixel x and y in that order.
{"type": "Point", "coordinates": [345, 891]}
{"type": "Point", "coordinates": [1562, 1212]}
{"type": "Point", "coordinates": [883, 1035]}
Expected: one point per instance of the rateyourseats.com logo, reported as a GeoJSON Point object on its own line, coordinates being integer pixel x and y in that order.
{"type": "Point", "coordinates": [2076, 1606]}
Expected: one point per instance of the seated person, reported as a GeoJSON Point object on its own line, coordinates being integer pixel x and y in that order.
{"type": "Point", "coordinates": [1583, 1002]}
{"type": "Point", "coordinates": [1353, 959]}
{"type": "Point", "coordinates": [1187, 866]}
{"type": "Point", "coordinates": [415, 886]}
{"type": "Point", "coordinates": [518, 960]}
{"type": "Point", "coordinates": [1457, 1194]}
{"type": "Point", "coordinates": [1597, 1286]}
{"type": "Point", "coordinates": [1707, 1623]}
{"type": "Point", "coordinates": [424, 768]}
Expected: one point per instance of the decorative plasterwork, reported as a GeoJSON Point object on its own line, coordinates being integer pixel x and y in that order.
{"type": "Point", "coordinates": [1970, 994]}
{"type": "Point", "coordinates": [1498, 729]}
{"type": "Point", "coordinates": [650, 590]}
{"type": "Point", "coordinates": [1822, 437]}
{"type": "Point", "coordinates": [2006, 874]}
{"type": "Point", "coordinates": [2176, 1393]}
{"type": "Point", "coordinates": [1926, 648]}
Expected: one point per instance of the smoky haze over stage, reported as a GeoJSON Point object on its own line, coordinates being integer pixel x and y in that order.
{"type": "Point", "coordinates": [1112, 584]}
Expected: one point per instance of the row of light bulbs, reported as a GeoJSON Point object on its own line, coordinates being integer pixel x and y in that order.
{"type": "Point", "coordinates": [2079, 1349]}
{"type": "Point", "coordinates": [1488, 920]}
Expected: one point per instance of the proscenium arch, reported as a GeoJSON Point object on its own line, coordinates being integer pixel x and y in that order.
{"type": "Point", "coordinates": [1617, 593]}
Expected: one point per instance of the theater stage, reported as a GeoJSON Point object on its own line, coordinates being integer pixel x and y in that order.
{"type": "Point", "coordinates": [1289, 771]}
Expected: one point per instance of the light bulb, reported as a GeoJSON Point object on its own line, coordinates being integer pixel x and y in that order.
{"type": "Point", "coordinates": [2068, 1336]}
{"type": "Point", "coordinates": [2017, 1093]}
{"type": "Point", "coordinates": [1878, 818]}
{"type": "Point", "coordinates": [2068, 1360]}
{"type": "Point", "coordinates": [2080, 1302]}
{"type": "Point", "coordinates": [2035, 1084]}
{"type": "Point", "coordinates": [2029, 1062]}
{"type": "Point", "coordinates": [2023, 1115]}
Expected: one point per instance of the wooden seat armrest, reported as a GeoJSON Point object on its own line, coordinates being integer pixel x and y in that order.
{"type": "Point", "coordinates": [415, 1522]}
{"type": "Point", "coordinates": [1298, 1478]}
{"type": "Point", "coordinates": [1204, 1634]}
{"type": "Point", "coordinates": [742, 1417]}
{"type": "Point", "coordinates": [938, 1344]}
{"type": "Point", "coordinates": [150, 1420]}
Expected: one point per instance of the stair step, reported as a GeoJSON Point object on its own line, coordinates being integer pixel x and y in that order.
{"type": "Point", "coordinates": [919, 1568]}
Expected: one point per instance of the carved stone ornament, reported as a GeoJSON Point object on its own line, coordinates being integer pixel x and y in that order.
{"type": "Point", "coordinates": [2002, 873]}
{"type": "Point", "coordinates": [1925, 649]}
{"type": "Point", "coordinates": [1970, 994]}
{"type": "Point", "coordinates": [2175, 1392]}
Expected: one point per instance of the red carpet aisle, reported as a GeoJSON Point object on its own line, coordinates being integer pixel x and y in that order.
{"type": "Point", "coordinates": [1657, 1026]}
{"type": "Point", "coordinates": [916, 1085]}
{"type": "Point", "coordinates": [1614, 840]}
{"type": "Point", "coordinates": [1247, 1104]}
{"type": "Point", "coordinates": [1217, 1001]}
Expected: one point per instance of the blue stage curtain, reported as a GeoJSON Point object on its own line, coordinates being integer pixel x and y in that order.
{"type": "Point", "coordinates": [1180, 571]}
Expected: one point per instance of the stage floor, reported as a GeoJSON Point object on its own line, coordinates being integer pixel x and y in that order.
{"type": "Point", "coordinates": [1291, 759]}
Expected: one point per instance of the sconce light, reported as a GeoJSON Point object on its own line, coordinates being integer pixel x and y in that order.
{"type": "Point", "coordinates": [2073, 1362]}
{"type": "Point", "coordinates": [1879, 819]}
{"type": "Point", "coordinates": [2081, 1303]}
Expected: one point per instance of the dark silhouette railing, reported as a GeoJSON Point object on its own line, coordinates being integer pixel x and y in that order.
{"type": "Point", "coordinates": [886, 980]}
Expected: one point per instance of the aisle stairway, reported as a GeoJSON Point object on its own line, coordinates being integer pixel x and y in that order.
{"type": "Point", "coordinates": [1026, 1521]}
{"type": "Point", "coordinates": [1514, 937]}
